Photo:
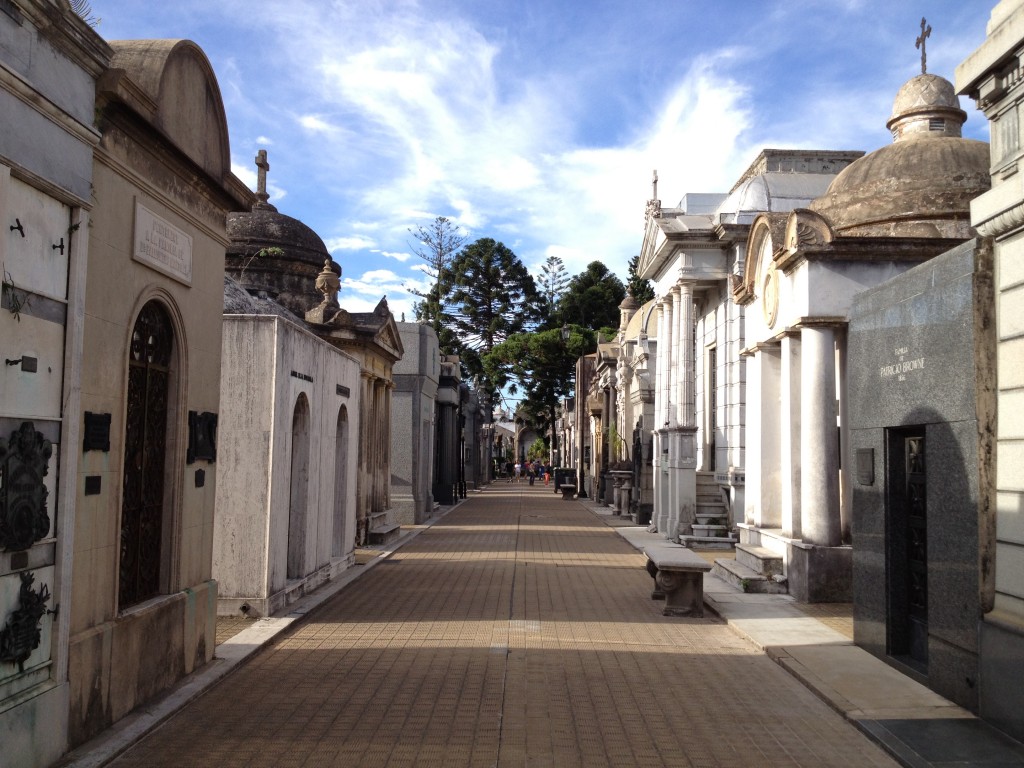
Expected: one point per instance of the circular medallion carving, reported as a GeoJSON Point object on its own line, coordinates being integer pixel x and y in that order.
{"type": "Point", "coordinates": [770, 296]}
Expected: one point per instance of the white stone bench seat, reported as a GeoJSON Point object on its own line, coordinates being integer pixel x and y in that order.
{"type": "Point", "coordinates": [678, 578]}
{"type": "Point", "coordinates": [568, 491]}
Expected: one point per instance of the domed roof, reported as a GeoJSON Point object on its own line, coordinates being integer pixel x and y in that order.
{"type": "Point", "coordinates": [275, 255]}
{"type": "Point", "coordinates": [922, 184]}
{"type": "Point", "coordinates": [924, 106]}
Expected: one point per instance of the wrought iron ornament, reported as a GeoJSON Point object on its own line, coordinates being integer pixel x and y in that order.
{"type": "Point", "coordinates": [24, 462]}
{"type": "Point", "coordinates": [23, 632]}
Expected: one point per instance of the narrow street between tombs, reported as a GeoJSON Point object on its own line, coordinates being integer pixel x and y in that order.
{"type": "Point", "coordinates": [517, 630]}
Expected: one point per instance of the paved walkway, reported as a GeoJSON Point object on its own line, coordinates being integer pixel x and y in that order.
{"type": "Point", "coordinates": [517, 630]}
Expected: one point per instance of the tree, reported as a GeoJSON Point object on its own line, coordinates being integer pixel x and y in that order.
{"type": "Point", "coordinates": [542, 365]}
{"type": "Point", "coordinates": [592, 299]}
{"type": "Point", "coordinates": [552, 284]}
{"type": "Point", "coordinates": [639, 287]}
{"type": "Point", "coordinates": [438, 245]}
{"type": "Point", "coordinates": [491, 296]}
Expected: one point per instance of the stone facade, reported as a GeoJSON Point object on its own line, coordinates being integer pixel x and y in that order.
{"type": "Point", "coordinates": [285, 496]}
{"type": "Point", "coordinates": [991, 76]}
{"type": "Point", "coordinates": [919, 434]}
{"type": "Point", "coordinates": [413, 405]}
{"type": "Point", "coordinates": [50, 60]}
{"type": "Point", "coordinates": [143, 601]}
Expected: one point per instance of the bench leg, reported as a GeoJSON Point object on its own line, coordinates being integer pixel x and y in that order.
{"type": "Point", "coordinates": [684, 592]}
{"type": "Point", "coordinates": [652, 569]}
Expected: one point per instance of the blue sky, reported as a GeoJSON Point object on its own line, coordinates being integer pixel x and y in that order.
{"type": "Point", "coordinates": [537, 122]}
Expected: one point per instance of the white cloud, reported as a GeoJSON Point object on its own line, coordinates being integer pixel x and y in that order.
{"type": "Point", "coordinates": [351, 243]}
{"type": "Point", "coordinates": [316, 124]}
{"type": "Point", "coordinates": [398, 256]}
{"type": "Point", "coordinates": [265, 141]}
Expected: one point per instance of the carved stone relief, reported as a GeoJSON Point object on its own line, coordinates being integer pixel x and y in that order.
{"type": "Point", "coordinates": [24, 462]}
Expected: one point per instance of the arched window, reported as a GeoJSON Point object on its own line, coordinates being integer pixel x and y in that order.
{"type": "Point", "coordinates": [299, 490]}
{"type": "Point", "coordinates": [150, 383]}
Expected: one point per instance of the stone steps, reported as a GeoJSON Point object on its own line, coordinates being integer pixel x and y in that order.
{"type": "Point", "coordinates": [704, 543]}
{"type": "Point", "coordinates": [747, 579]}
{"type": "Point", "coordinates": [759, 559]}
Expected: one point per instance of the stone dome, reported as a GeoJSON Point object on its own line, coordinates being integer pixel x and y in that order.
{"type": "Point", "coordinates": [273, 254]}
{"type": "Point", "coordinates": [926, 105]}
{"type": "Point", "coordinates": [921, 185]}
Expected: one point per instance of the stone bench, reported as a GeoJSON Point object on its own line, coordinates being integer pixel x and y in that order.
{"type": "Point", "coordinates": [568, 491]}
{"type": "Point", "coordinates": [678, 578]}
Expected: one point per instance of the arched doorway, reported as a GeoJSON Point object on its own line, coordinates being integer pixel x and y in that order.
{"type": "Point", "coordinates": [299, 490]}
{"type": "Point", "coordinates": [340, 532]}
{"type": "Point", "coordinates": [150, 386]}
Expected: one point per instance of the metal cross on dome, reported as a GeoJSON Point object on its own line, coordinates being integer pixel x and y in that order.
{"type": "Point", "coordinates": [926, 32]}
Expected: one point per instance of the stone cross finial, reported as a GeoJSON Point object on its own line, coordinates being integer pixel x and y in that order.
{"type": "Point", "coordinates": [261, 178]}
{"type": "Point", "coordinates": [926, 32]}
{"type": "Point", "coordinates": [654, 204]}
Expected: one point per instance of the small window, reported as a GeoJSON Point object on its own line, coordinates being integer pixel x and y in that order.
{"type": "Point", "coordinates": [936, 124]}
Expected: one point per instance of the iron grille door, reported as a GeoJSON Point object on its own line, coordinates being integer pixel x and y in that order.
{"type": "Point", "coordinates": [144, 445]}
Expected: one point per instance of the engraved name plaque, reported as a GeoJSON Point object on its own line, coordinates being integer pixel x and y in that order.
{"type": "Point", "coordinates": [162, 246]}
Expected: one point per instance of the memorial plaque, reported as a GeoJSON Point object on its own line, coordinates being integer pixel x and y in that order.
{"type": "Point", "coordinates": [202, 436]}
{"type": "Point", "coordinates": [24, 462]}
{"type": "Point", "coordinates": [22, 634]}
{"type": "Point", "coordinates": [97, 432]}
{"type": "Point", "coordinates": [93, 485]}
{"type": "Point", "coordinates": [162, 246]}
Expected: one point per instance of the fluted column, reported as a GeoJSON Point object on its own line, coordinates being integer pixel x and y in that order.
{"type": "Point", "coordinates": [819, 446]}
{"type": "Point", "coordinates": [677, 374]}
{"type": "Point", "coordinates": [665, 361]}
{"type": "Point", "coordinates": [686, 365]}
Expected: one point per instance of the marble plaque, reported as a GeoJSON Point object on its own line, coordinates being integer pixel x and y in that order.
{"type": "Point", "coordinates": [162, 246]}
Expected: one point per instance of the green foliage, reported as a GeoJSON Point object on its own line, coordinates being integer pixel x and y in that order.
{"type": "Point", "coordinates": [490, 297]}
{"type": "Point", "coordinates": [542, 365]}
{"type": "Point", "coordinates": [538, 450]}
{"type": "Point", "coordinates": [552, 283]}
{"type": "Point", "coordinates": [592, 299]}
{"type": "Point", "coordinates": [438, 244]}
{"type": "Point", "coordinates": [639, 287]}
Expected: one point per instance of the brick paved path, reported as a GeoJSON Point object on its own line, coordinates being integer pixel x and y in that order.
{"type": "Point", "coordinates": [518, 631]}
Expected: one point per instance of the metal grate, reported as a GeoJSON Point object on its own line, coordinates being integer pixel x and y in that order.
{"type": "Point", "coordinates": [144, 443]}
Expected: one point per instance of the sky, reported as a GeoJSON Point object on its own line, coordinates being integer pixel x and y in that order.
{"type": "Point", "coordinates": [537, 123]}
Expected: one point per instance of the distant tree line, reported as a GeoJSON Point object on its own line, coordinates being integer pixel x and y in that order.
{"type": "Point", "coordinates": [512, 331]}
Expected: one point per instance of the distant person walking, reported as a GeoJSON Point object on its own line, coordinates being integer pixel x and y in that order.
{"type": "Point", "coordinates": [519, 470]}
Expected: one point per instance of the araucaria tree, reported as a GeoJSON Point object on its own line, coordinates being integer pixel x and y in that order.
{"type": "Point", "coordinates": [552, 283]}
{"type": "Point", "coordinates": [592, 299]}
{"type": "Point", "coordinates": [490, 297]}
{"type": "Point", "coordinates": [438, 244]}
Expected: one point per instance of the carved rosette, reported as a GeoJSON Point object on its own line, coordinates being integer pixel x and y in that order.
{"type": "Point", "coordinates": [24, 462]}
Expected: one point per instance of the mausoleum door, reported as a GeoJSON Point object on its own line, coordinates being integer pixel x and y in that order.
{"type": "Point", "coordinates": [907, 552]}
{"type": "Point", "coordinates": [142, 509]}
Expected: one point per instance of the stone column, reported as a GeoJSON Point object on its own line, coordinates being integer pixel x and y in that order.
{"type": "Point", "coordinates": [819, 445]}
{"type": "Point", "coordinates": [789, 422]}
{"type": "Point", "coordinates": [677, 373]}
{"type": "Point", "coordinates": [763, 498]}
{"type": "Point", "coordinates": [666, 363]}
{"type": "Point", "coordinates": [686, 367]}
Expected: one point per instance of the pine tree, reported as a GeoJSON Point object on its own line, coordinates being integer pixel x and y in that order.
{"type": "Point", "coordinates": [640, 288]}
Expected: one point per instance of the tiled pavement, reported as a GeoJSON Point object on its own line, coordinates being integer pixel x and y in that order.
{"type": "Point", "coordinates": [518, 630]}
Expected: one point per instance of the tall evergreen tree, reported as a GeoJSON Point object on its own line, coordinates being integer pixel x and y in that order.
{"type": "Point", "coordinates": [438, 244]}
{"type": "Point", "coordinates": [592, 299]}
{"type": "Point", "coordinates": [640, 288]}
{"type": "Point", "coordinates": [552, 283]}
{"type": "Point", "coordinates": [491, 296]}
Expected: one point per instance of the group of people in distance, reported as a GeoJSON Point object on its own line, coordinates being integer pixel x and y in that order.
{"type": "Point", "coordinates": [531, 470]}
